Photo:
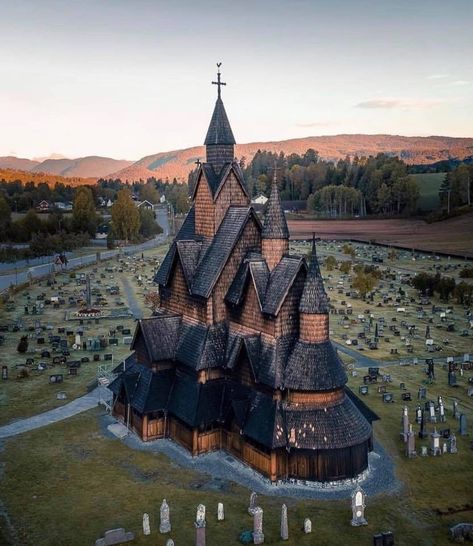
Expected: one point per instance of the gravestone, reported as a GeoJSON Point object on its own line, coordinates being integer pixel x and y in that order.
{"type": "Point", "coordinates": [411, 444]}
{"type": "Point", "coordinates": [424, 451]}
{"type": "Point", "coordinates": [4, 373]}
{"type": "Point", "coordinates": [452, 379]}
{"type": "Point", "coordinates": [253, 504]}
{"type": "Point", "coordinates": [422, 432]}
{"type": "Point", "coordinates": [404, 424]}
{"type": "Point", "coordinates": [169, 542]}
{"type": "Point", "coordinates": [388, 539]}
{"type": "Point", "coordinates": [452, 444]}
{"type": "Point", "coordinates": [284, 525]}
{"type": "Point", "coordinates": [432, 416]}
{"type": "Point", "coordinates": [146, 527]}
{"type": "Point", "coordinates": [258, 535]}
{"type": "Point", "coordinates": [115, 536]}
{"type": "Point", "coordinates": [418, 414]}
{"type": "Point", "coordinates": [358, 507]}
{"type": "Point", "coordinates": [422, 393]}
{"type": "Point", "coordinates": [200, 516]}
{"type": "Point", "coordinates": [307, 526]}
{"type": "Point", "coordinates": [165, 521]}
{"type": "Point", "coordinates": [220, 512]}
{"type": "Point", "coordinates": [441, 411]}
{"type": "Point", "coordinates": [463, 423]}
{"type": "Point", "coordinates": [435, 443]}
{"type": "Point", "coordinates": [455, 412]}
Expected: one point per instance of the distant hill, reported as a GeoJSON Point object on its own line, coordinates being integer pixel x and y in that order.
{"type": "Point", "coordinates": [91, 166]}
{"type": "Point", "coordinates": [10, 175]}
{"type": "Point", "coordinates": [413, 150]}
{"type": "Point", "coordinates": [17, 163]}
{"type": "Point", "coordinates": [85, 167]}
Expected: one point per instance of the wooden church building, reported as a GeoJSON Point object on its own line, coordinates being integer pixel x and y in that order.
{"type": "Point", "coordinates": [238, 356]}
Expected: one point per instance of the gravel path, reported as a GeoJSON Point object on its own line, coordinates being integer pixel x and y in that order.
{"type": "Point", "coordinates": [78, 405]}
{"type": "Point", "coordinates": [220, 468]}
{"type": "Point", "coordinates": [130, 295]}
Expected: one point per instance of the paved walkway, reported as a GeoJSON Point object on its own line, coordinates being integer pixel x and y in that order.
{"type": "Point", "coordinates": [78, 405]}
{"type": "Point", "coordinates": [130, 295]}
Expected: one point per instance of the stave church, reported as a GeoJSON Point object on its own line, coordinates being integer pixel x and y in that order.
{"type": "Point", "coordinates": [238, 356]}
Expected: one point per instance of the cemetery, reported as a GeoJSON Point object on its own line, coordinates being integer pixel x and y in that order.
{"type": "Point", "coordinates": [423, 399]}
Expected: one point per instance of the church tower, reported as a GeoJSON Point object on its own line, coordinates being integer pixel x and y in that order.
{"type": "Point", "coordinates": [313, 306]}
{"type": "Point", "coordinates": [275, 234]}
{"type": "Point", "coordinates": [219, 142]}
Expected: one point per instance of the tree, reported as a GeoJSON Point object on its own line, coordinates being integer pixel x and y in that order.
{"type": "Point", "coordinates": [445, 287]}
{"type": "Point", "coordinates": [148, 192]}
{"type": "Point", "coordinates": [125, 216]}
{"type": "Point", "coordinates": [330, 263]}
{"type": "Point", "coordinates": [84, 217]}
{"type": "Point", "coordinates": [5, 213]}
{"type": "Point", "coordinates": [148, 225]}
{"type": "Point", "coordinates": [464, 293]}
{"type": "Point", "coordinates": [345, 267]}
{"type": "Point", "coordinates": [364, 283]}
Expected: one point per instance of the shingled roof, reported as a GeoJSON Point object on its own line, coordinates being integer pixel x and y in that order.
{"type": "Point", "coordinates": [314, 298]}
{"type": "Point", "coordinates": [219, 131]}
{"type": "Point", "coordinates": [274, 224]}
{"type": "Point", "coordinates": [280, 281]}
{"type": "Point", "coordinates": [332, 427]}
{"type": "Point", "coordinates": [314, 367]}
{"type": "Point", "coordinates": [264, 422]}
{"type": "Point", "coordinates": [200, 346]}
{"type": "Point", "coordinates": [160, 334]}
{"type": "Point", "coordinates": [216, 256]}
{"type": "Point", "coordinates": [216, 181]}
{"type": "Point", "coordinates": [252, 267]}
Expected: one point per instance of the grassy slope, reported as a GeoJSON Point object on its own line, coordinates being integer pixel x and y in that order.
{"type": "Point", "coordinates": [429, 185]}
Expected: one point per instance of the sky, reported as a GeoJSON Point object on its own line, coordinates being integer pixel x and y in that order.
{"type": "Point", "coordinates": [130, 78]}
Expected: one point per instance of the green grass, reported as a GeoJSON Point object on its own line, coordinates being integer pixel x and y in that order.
{"type": "Point", "coordinates": [429, 185]}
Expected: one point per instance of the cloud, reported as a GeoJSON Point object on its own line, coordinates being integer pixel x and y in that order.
{"type": "Point", "coordinates": [389, 103]}
{"type": "Point", "coordinates": [438, 76]}
{"type": "Point", "coordinates": [322, 124]}
{"type": "Point", "coordinates": [460, 82]}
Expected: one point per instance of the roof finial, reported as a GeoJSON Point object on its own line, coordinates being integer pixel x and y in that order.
{"type": "Point", "coordinates": [218, 82]}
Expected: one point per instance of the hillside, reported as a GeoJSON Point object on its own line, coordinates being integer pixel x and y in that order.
{"type": "Point", "coordinates": [11, 175]}
{"type": "Point", "coordinates": [84, 167]}
{"type": "Point", "coordinates": [413, 150]}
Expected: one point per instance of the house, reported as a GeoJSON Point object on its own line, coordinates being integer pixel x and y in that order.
{"type": "Point", "coordinates": [260, 199]}
{"type": "Point", "coordinates": [43, 206]}
{"type": "Point", "coordinates": [145, 205]}
{"type": "Point", "coordinates": [238, 356]}
{"type": "Point", "coordinates": [63, 206]}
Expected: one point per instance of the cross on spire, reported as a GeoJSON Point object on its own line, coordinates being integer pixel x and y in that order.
{"type": "Point", "coordinates": [218, 82]}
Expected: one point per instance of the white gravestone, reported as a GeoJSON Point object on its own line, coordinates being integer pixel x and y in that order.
{"type": "Point", "coordinates": [146, 527]}
{"type": "Point", "coordinates": [165, 522]}
{"type": "Point", "coordinates": [307, 526]}
{"type": "Point", "coordinates": [358, 507]}
{"type": "Point", "coordinates": [220, 512]}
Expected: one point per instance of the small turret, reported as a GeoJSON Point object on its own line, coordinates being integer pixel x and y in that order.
{"type": "Point", "coordinates": [313, 306]}
{"type": "Point", "coordinates": [275, 234]}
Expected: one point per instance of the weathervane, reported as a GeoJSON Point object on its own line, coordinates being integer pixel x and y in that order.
{"type": "Point", "coordinates": [218, 82]}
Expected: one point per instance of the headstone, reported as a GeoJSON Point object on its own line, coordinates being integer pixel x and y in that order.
{"type": "Point", "coordinates": [307, 526]}
{"type": "Point", "coordinates": [200, 516]}
{"type": "Point", "coordinates": [462, 430]}
{"type": "Point", "coordinates": [284, 526]}
{"type": "Point", "coordinates": [435, 443]}
{"type": "Point", "coordinates": [258, 536]}
{"type": "Point", "coordinates": [441, 411]}
{"type": "Point", "coordinates": [411, 444]}
{"type": "Point", "coordinates": [358, 507]}
{"type": "Point", "coordinates": [253, 504]}
{"type": "Point", "coordinates": [146, 527]}
{"type": "Point", "coordinates": [452, 379]}
{"type": "Point", "coordinates": [418, 414]}
{"type": "Point", "coordinates": [220, 512]}
{"type": "Point", "coordinates": [422, 393]}
{"type": "Point", "coordinates": [404, 424]}
{"type": "Point", "coordinates": [444, 448]}
{"type": "Point", "coordinates": [4, 373]}
{"type": "Point", "coordinates": [388, 539]}
{"type": "Point", "coordinates": [165, 521]}
{"type": "Point", "coordinates": [115, 536]}
{"type": "Point", "coordinates": [169, 542]}
{"type": "Point", "coordinates": [452, 444]}
{"type": "Point", "coordinates": [432, 416]}
{"type": "Point", "coordinates": [456, 415]}
{"type": "Point", "coordinates": [424, 451]}
{"type": "Point", "coordinates": [378, 540]}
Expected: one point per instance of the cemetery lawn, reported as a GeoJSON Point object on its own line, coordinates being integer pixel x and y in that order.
{"type": "Point", "coordinates": [68, 483]}
{"type": "Point", "coordinates": [29, 396]}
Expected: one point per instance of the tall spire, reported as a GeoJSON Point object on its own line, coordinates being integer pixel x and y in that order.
{"type": "Point", "coordinates": [314, 298]}
{"type": "Point", "coordinates": [274, 225]}
{"type": "Point", "coordinates": [219, 141]}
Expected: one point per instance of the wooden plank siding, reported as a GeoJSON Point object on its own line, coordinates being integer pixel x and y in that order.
{"type": "Point", "coordinates": [231, 194]}
{"type": "Point", "coordinates": [204, 209]}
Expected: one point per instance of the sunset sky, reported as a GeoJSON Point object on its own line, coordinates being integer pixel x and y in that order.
{"type": "Point", "coordinates": [129, 78]}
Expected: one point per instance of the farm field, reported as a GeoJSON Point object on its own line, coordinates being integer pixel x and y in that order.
{"type": "Point", "coordinates": [429, 185]}
{"type": "Point", "coordinates": [449, 236]}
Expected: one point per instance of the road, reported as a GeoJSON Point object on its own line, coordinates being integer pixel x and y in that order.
{"type": "Point", "coordinates": [25, 272]}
